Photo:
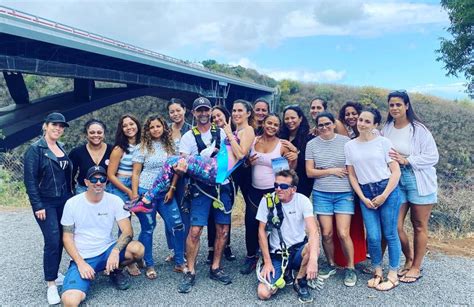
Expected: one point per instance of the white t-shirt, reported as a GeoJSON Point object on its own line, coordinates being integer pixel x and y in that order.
{"type": "Point", "coordinates": [93, 222]}
{"type": "Point", "coordinates": [188, 145]}
{"type": "Point", "coordinates": [401, 139]}
{"type": "Point", "coordinates": [369, 159]}
{"type": "Point", "coordinates": [293, 225]}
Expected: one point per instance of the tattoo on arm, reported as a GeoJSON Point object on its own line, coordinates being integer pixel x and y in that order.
{"type": "Point", "coordinates": [123, 241]}
{"type": "Point", "coordinates": [69, 228]}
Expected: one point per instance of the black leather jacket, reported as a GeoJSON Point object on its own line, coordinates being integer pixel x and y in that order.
{"type": "Point", "coordinates": [43, 177]}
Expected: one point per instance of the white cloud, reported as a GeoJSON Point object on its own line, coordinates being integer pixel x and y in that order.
{"type": "Point", "coordinates": [235, 27]}
{"type": "Point", "coordinates": [328, 75]}
{"type": "Point", "coordinates": [450, 90]}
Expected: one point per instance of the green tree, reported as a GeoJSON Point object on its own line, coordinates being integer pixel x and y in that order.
{"type": "Point", "coordinates": [458, 53]}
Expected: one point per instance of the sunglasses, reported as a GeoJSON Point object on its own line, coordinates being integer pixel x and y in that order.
{"type": "Point", "coordinates": [403, 92]}
{"type": "Point", "coordinates": [282, 186]}
{"type": "Point", "coordinates": [321, 126]}
{"type": "Point", "coordinates": [101, 179]}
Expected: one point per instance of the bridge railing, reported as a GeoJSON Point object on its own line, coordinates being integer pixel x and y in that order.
{"type": "Point", "coordinates": [102, 39]}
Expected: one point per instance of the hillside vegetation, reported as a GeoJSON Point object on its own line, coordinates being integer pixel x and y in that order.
{"type": "Point", "coordinates": [449, 121]}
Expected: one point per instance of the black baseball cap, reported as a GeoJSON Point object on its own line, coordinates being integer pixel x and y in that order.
{"type": "Point", "coordinates": [201, 102]}
{"type": "Point", "coordinates": [96, 170]}
{"type": "Point", "coordinates": [56, 117]}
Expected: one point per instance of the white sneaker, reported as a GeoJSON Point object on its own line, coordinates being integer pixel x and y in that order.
{"type": "Point", "coordinates": [53, 295]}
{"type": "Point", "coordinates": [59, 281]}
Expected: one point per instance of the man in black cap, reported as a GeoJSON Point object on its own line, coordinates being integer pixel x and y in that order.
{"type": "Point", "coordinates": [205, 139]}
{"type": "Point", "coordinates": [87, 221]}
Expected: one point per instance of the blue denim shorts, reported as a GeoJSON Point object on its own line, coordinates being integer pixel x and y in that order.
{"type": "Point", "coordinates": [201, 205]}
{"type": "Point", "coordinates": [329, 203]}
{"type": "Point", "coordinates": [295, 263]}
{"type": "Point", "coordinates": [73, 280]}
{"type": "Point", "coordinates": [409, 191]}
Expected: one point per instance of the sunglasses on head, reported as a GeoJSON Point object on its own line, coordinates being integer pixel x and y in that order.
{"type": "Point", "coordinates": [101, 179]}
{"type": "Point", "coordinates": [282, 186]}
{"type": "Point", "coordinates": [403, 92]}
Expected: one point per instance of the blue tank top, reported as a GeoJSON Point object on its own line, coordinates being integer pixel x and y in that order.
{"type": "Point", "coordinates": [125, 165]}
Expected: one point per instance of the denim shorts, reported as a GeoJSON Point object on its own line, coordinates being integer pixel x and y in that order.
{"type": "Point", "coordinates": [329, 203]}
{"type": "Point", "coordinates": [409, 191]}
{"type": "Point", "coordinates": [201, 205]}
{"type": "Point", "coordinates": [73, 280]}
{"type": "Point", "coordinates": [127, 181]}
{"type": "Point", "coordinates": [295, 263]}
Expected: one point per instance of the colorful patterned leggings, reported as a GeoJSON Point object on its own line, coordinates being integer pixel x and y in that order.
{"type": "Point", "coordinates": [202, 169]}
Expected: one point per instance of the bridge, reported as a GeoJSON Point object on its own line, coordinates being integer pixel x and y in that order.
{"type": "Point", "coordinates": [33, 45]}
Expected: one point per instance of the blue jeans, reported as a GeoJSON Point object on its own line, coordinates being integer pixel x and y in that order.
{"type": "Point", "coordinates": [382, 220]}
{"type": "Point", "coordinates": [127, 181]}
{"type": "Point", "coordinates": [170, 214]}
{"type": "Point", "coordinates": [179, 194]}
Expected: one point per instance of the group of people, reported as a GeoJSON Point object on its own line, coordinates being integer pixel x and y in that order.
{"type": "Point", "coordinates": [362, 182]}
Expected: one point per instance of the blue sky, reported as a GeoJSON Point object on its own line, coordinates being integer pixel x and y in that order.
{"type": "Point", "coordinates": [389, 44]}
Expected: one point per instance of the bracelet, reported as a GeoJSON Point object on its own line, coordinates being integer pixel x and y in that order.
{"type": "Point", "coordinates": [173, 187]}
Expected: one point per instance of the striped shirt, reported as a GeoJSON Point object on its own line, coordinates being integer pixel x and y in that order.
{"type": "Point", "coordinates": [125, 165]}
{"type": "Point", "coordinates": [329, 154]}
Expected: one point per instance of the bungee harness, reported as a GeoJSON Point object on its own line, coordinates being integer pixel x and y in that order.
{"type": "Point", "coordinates": [216, 138]}
{"type": "Point", "coordinates": [275, 222]}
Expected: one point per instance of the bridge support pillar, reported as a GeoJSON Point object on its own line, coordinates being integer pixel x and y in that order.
{"type": "Point", "coordinates": [17, 87]}
{"type": "Point", "coordinates": [83, 89]}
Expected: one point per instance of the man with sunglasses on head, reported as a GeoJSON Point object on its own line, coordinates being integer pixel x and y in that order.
{"type": "Point", "coordinates": [87, 221]}
{"type": "Point", "coordinates": [293, 230]}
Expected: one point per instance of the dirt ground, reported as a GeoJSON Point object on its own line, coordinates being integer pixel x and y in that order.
{"type": "Point", "coordinates": [463, 247]}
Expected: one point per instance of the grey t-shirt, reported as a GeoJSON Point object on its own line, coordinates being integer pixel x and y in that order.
{"type": "Point", "coordinates": [293, 226]}
{"type": "Point", "coordinates": [329, 154]}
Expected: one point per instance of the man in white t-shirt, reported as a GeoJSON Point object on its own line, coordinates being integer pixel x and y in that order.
{"type": "Point", "coordinates": [204, 139]}
{"type": "Point", "coordinates": [87, 221]}
{"type": "Point", "coordinates": [292, 213]}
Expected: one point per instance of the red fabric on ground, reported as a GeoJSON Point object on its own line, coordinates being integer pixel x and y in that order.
{"type": "Point", "coordinates": [358, 239]}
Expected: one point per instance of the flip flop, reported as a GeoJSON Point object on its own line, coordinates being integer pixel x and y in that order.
{"type": "Point", "coordinates": [413, 279]}
{"type": "Point", "coordinates": [403, 271]}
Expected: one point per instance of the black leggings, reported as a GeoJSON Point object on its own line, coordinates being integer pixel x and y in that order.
{"type": "Point", "coordinates": [53, 243]}
{"type": "Point", "coordinates": [251, 224]}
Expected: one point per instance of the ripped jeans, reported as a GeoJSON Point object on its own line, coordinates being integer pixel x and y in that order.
{"type": "Point", "coordinates": [171, 216]}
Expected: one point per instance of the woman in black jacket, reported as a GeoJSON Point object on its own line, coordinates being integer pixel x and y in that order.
{"type": "Point", "coordinates": [47, 176]}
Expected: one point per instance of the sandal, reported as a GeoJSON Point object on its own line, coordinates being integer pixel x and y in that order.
{"type": "Point", "coordinates": [180, 268]}
{"type": "Point", "coordinates": [391, 284]}
{"type": "Point", "coordinates": [151, 273]}
{"type": "Point", "coordinates": [169, 258]}
{"type": "Point", "coordinates": [376, 280]}
{"type": "Point", "coordinates": [133, 269]}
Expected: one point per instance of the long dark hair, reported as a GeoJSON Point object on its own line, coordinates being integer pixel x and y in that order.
{"type": "Point", "coordinates": [248, 106]}
{"type": "Point", "coordinates": [165, 139]}
{"type": "Point", "coordinates": [411, 114]}
{"type": "Point", "coordinates": [342, 112]}
{"type": "Point", "coordinates": [121, 140]}
{"type": "Point", "coordinates": [226, 114]}
{"type": "Point", "coordinates": [301, 133]}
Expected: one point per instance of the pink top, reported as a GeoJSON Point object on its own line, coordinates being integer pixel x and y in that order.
{"type": "Point", "coordinates": [262, 172]}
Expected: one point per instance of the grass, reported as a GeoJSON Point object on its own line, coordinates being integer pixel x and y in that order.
{"type": "Point", "coordinates": [12, 192]}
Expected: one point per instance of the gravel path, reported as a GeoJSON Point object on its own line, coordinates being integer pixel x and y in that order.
{"type": "Point", "coordinates": [447, 281]}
